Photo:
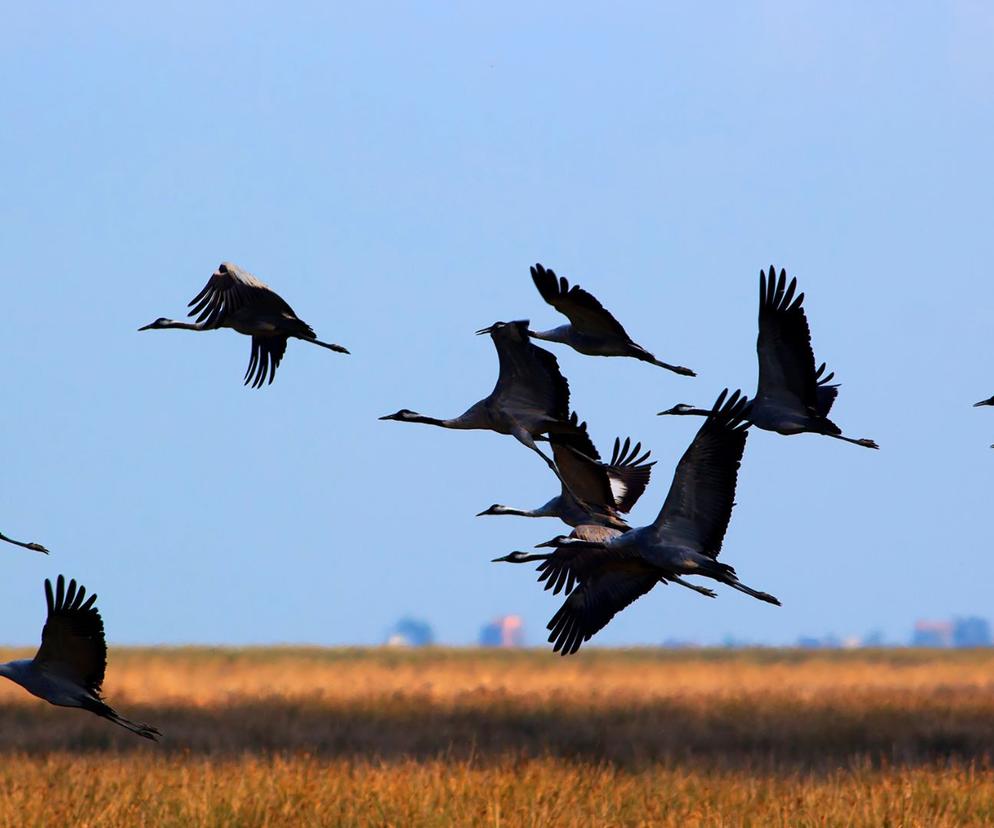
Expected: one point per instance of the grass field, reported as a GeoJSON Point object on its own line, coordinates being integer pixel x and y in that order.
{"type": "Point", "coordinates": [283, 737]}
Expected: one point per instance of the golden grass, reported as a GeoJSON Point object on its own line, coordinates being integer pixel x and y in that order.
{"type": "Point", "coordinates": [350, 737]}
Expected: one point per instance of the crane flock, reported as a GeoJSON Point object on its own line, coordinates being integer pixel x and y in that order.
{"type": "Point", "coordinates": [604, 564]}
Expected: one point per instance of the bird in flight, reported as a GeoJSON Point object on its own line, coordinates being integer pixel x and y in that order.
{"type": "Point", "coordinates": [792, 397]}
{"type": "Point", "coordinates": [592, 329]}
{"type": "Point", "coordinates": [604, 573]}
{"type": "Point", "coordinates": [68, 669]}
{"type": "Point", "coordinates": [234, 298]}
{"type": "Point", "coordinates": [608, 489]}
{"type": "Point", "coordinates": [530, 399]}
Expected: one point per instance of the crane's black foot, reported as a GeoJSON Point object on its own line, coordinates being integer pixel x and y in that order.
{"type": "Point", "coordinates": [867, 443]}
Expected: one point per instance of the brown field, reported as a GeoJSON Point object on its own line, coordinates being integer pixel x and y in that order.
{"type": "Point", "coordinates": [286, 737]}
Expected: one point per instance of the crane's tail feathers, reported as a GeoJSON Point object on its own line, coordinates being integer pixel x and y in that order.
{"type": "Point", "coordinates": [338, 349]}
{"type": "Point", "coordinates": [755, 593]}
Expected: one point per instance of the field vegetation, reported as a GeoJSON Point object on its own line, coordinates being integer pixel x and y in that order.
{"type": "Point", "coordinates": [460, 737]}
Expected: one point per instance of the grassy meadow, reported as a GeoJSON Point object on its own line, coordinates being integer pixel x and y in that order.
{"type": "Point", "coordinates": [287, 737]}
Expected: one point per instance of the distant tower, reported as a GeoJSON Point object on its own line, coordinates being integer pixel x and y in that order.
{"type": "Point", "coordinates": [971, 632]}
{"type": "Point", "coordinates": [506, 631]}
{"type": "Point", "coordinates": [933, 634]}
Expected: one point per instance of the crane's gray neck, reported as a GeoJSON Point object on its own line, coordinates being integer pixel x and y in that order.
{"type": "Point", "coordinates": [455, 422]}
{"type": "Point", "coordinates": [182, 326]}
{"type": "Point", "coordinates": [540, 512]}
{"type": "Point", "coordinates": [560, 334]}
{"type": "Point", "coordinates": [688, 410]}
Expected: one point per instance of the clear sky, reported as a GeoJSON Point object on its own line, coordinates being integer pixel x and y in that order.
{"type": "Point", "coordinates": [392, 170]}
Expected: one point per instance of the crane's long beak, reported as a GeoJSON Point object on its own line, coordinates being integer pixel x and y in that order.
{"type": "Point", "coordinates": [667, 411]}
{"type": "Point", "coordinates": [506, 557]}
{"type": "Point", "coordinates": [146, 327]}
{"type": "Point", "coordinates": [989, 401]}
{"type": "Point", "coordinates": [484, 331]}
{"type": "Point", "coordinates": [549, 544]}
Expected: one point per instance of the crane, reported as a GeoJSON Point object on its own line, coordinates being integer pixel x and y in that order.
{"type": "Point", "coordinates": [530, 399]}
{"type": "Point", "coordinates": [792, 397]}
{"type": "Point", "coordinates": [234, 298]}
{"type": "Point", "coordinates": [607, 488]}
{"type": "Point", "coordinates": [592, 329]}
{"type": "Point", "coordinates": [611, 572]}
{"type": "Point", "coordinates": [68, 669]}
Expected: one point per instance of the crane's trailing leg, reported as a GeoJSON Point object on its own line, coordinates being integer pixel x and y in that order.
{"type": "Point", "coordinates": [338, 349]}
{"type": "Point", "coordinates": [707, 593]}
{"type": "Point", "coordinates": [863, 441]}
{"type": "Point", "coordinates": [734, 583]}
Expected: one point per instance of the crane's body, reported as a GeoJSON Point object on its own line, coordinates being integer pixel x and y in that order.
{"type": "Point", "coordinates": [607, 489]}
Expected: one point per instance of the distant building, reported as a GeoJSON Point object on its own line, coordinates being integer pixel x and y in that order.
{"type": "Point", "coordinates": [932, 634]}
{"type": "Point", "coordinates": [411, 632]}
{"type": "Point", "coordinates": [506, 631]}
{"type": "Point", "coordinates": [971, 632]}
{"type": "Point", "coordinates": [826, 642]}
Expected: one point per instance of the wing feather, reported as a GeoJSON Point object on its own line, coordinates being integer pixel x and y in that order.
{"type": "Point", "coordinates": [589, 608]}
{"type": "Point", "coordinates": [786, 359]}
{"type": "Point", "coordinates": [702, 494]}
{"type": "Point", "coordinates": [231, 288]}
{"type": "Point", "coordinates": [72, 641]}
{"type": "Point", "coordinates": [529, 378]}
{"type": "Point", "coordinates": [584, 311]}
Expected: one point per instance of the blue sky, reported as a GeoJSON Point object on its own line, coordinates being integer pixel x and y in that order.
{"type": "Point", "coordinates": [392, 170]}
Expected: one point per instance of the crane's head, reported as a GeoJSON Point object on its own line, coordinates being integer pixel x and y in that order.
{"type": "Point", "coordinates": [496, 509]}
{"type": "Point", "coordinates": [515, 557]}
{"type": "Point", "coordinates": [158, 324]}
{"type": "Point", "coordinates": [682, 408]}
{"type": "Point", "coordinates": [557, 541]}
{"type": "Point", "coordinates": [405, 415]}
{"type": "Point", "coordinates": [515, 330]}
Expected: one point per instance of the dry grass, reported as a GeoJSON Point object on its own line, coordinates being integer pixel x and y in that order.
{"type": "Point", "coordinates": [342, 737]}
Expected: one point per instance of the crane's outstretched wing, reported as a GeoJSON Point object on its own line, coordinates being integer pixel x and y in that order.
{"type": "Point", "coordinates": [267, 353]}
{"type": "Point", "coordinates": [72, 641]}
{"type": "Point", "coordinates": [530, 381]}
{"type": "Point", "coordinates": [699, 504]}
{"type": "Point", "coordinates": [629, 473]}
{"type": "Point", "coordinates": [579, 464]}
{"type": "Point", "coordinates": [601, 596]}
{"type": "Point", "coordinates": [231, 288]}
{"type": "Point", "coordinates": [585, 313]}
{"type": "Point", "coordinates": [568, 565]}
{"type": "Point", "coordinates": [786, 361]}
{"type": "Point", "coordinates": [826, 392]}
